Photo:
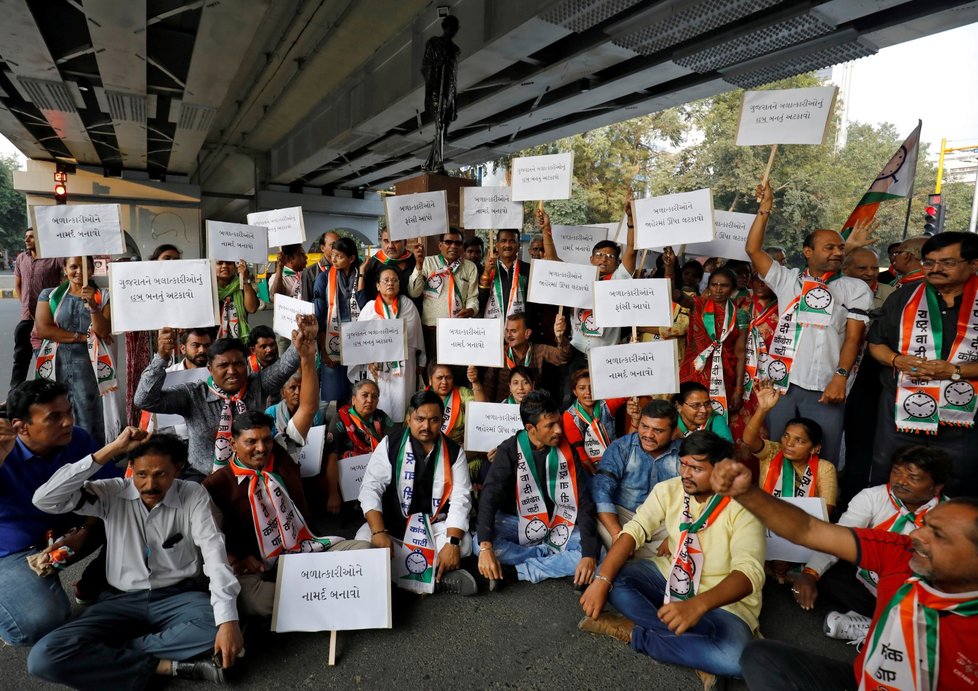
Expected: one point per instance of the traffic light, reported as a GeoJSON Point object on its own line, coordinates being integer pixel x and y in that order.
{"type": "Point", "coordinates": [60, 193]}
{"type": "Point", "coordinates": [933, 215]}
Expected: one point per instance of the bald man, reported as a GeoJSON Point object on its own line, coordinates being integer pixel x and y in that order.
{"type": "Point", "coordinates": [863, 264]}
{"type": "Point", "coordinates": [906, 262]}
{"type": "Point", "coordinates": [820, 332]}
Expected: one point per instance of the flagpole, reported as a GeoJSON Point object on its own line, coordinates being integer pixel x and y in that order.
{"type": "Point", "coordinates": [906, 220]}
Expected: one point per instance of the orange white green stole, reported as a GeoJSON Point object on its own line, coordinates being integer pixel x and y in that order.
{"type": "Point", "coordinates": [536, 525]}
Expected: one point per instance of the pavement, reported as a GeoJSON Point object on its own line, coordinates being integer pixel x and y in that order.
{"type": "Point", "coordinates": [524, 637]}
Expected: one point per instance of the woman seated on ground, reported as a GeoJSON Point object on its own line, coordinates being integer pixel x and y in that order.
{"type": "Point", "coordinates": [299, 409]}
{"type": "Point", "coordinates": [696, 412]}
{"type": "Point", "coordinates": [442, 380]}
{"type": "Point", "coordinates": [589, 425]}
{"type": "Point", "coordinates": [521, 380]}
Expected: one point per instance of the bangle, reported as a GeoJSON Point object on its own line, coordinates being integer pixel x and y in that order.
{"type": "Point", "coordinates": [599, 577]}
{"type": "Point", "coordinates": [486, 549]}
{"type": "Point", "coordinates": [893, 359]}
{"type": "Point", "coordinates": [763, 213]}
{"type": "Point", "coordinates": [378, 532]}
{"type": "Point", "coordinates": [811, 572]}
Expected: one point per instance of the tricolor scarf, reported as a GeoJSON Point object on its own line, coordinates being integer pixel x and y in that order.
{"type": "Point", "coordinates": [279, 527]}
{"type": "Point", "coordinates": [687, 562]}
{"type": "Point", "coordinates": [382, 257]}
{"type": "Point", "coordinates": [904, 644]}
{"type": "Point", "coordinates": [903, 522]}
{"type": "Point", "coordinates": [453, 408]}
{"type": "Point", "coordinates": [585, 317]}
{"type": "Point", "coordinates": [232, 323]}
{"type": "Point", "coordinates": [253, 364]}
{"type": "Point", "coordinates": [365, 435]}
{"type": "Point", "coordinates": [922, 405]}
{"type": "Point", "coordinates": [909, 277]}
{"type": "Point", "coordinates": [757, 357]}
{"type": "Point", "coordinates": [222, 439]}
{"type": "Point", "coordinates": [333, 311]}
{"type": "Point", "coordinates": [296, 290]}
{"type": "Point", "coordinates": [516, 302]}
{"type": "Point", "coordinates": [780, 479]}
{"type": "Point", "coordinates": [417, 533]}
{"type": "Point", "coordinates": [686, 431]}
{"type": "Point", "coordinates": [536, 526]}
{"type": "Point", "coordinates": [435, 285]}
{"type": "Point", "coordinates": [718, 390]}
{"type": "Point", "coordinates": [385, 311]}
{"type": "Point", "coordinates": [511, 400]}
{"type": "Point", "coordinates": [595, 436]}
{"type": "Point", "coordinates": [99, 355]}
{"type": "Point", "coordinates": [511, 357]}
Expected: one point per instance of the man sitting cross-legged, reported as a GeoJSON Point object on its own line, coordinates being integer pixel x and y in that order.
{"type": "Point", "coordinates": [710, 588]}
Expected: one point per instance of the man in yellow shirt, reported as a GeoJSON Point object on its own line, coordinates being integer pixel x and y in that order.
{"type": "Point", "coordinates": [708, 585]}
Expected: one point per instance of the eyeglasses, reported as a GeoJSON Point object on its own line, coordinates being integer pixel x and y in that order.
{"type": "Point", "coordinates": [452, 242]}
{"type": "Point", "coordinates": [604, 256]}
{"type": "Point", "coordinates": [943, 263]}
{"type": "Point", "coordinates": [699, 406]}
{"type": "Point", "coordinates": [389, 281]}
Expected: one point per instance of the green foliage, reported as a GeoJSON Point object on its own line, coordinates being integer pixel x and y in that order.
{"type": "Point", "coordinates": [13, 208]}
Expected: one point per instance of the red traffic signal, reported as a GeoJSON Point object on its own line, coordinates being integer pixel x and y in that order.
{"type": "Point", "coordinates": [60, 193]}
{"type": "Point", "coordinates": [931, 211]}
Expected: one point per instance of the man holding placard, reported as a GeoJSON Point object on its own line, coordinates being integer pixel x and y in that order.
{"type": "Point", "coordinates": [520, 351]}
{"type": "Point", "coordinates": [393, 254]}
{"type": "Point", "coordinates": [536, 515]}
{"type": "Point", "coordinates": [502, 288]}
{"type": "Point", "coordinates": [416, 497]}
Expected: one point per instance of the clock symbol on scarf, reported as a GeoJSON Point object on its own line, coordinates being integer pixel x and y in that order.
{"type": "Point", "coordinates": [777, 370]}
{"type": "Point", "coordinates": [416, 563]}
{"type": "Point", "coordinates": [717, 407]}
{"type": "Point", "coordinates": [818, 298]}
{"type": "Point", "coordinates": [959, 393]}
{"type": "Point", "coordinates": [920, 405]}
{"type": "Point", "coordinates": [559, 535]}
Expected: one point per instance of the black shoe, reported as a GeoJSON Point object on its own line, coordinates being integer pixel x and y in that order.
{"type": "Point", "coordinates": [510, 575]}
{"type": "Point", "coordinates": [201, 670]}
{"type": "Point", "coordinates": [458, 582]}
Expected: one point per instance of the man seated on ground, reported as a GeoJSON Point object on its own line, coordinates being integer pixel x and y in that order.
{"type": "Point", "coordinates": [926, 602]}
{"type": "Point", "coordinates": [631, 467]}
{"type": "Point", "coordinates": [209, 407]}
{"type": "Point", "coordinates": [153, 619]}
{"type": "Point", "coordinates": [710, 586]}
{"type": "Point", "coordinates": [262, 348]}
{"type": "Point", "coordinates": [520, 351]}
{"type": "Point", "coordinates": [917, 477]}
{"type": "Point", "coordinates": [536, 515]}
{"type": "Point", "coordinates": [263, 509]}
{"type": "Point", "coordinates": [38, 439]}
{"type": "Point", "coordinates": [416, 490]}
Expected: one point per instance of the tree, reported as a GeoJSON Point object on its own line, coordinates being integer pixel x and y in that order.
{"type": "Point", "coordinates": [13, 208]}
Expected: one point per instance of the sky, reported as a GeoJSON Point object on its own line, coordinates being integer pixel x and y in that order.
{"type": "Point", "coordinates": [932, 78]}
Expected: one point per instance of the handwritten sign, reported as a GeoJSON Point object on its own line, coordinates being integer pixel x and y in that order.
{"type": "Point", "coordinates": [575, 243]}
{"type": "Point", "coordinates": [634, 369]}
{"type": "Point", "coordinates": [778, 548]}
{"type": "Point", "coordinates": [543, 177]}
{"type": "Point", "coordinates": [378, 340]}
{"type": "Point", "coordinates": [311, 455]}
{"type": "Point", "coordinates": [285, 226]}
{"type": "Point", "coordinates": [487, 425]}
{"type": "Point", "coordinates": [730, 241]}
{"type": "Point", "coordinates": [147, 296]}
{"type": "Point", "coordinates": [673, 219]}
{"type": "Point", "coordinates": [172, 381]}
{"type": "Point", "coordinates": [352, 469]}
{"type": "Point", "coordinates": [233, 241]}
{"type": "Point", "coordinates": [491, 208]}
{"type": "Point", "coordinates": [560, 283]}
{"type": "Point", "coordinates": [466, 342]}
{"type": "Point", "coordinates": [639, 302]}
{"type": "Point", "coordinates": [417, 215]}
{"type": "Point", "coordinates": [785, 116]}
{"type": "Point", "coordinates": [285, 310]}
{"type": "Point", "coordinates": [333, 591]}
{"type": "Point", "coordinates": [78, 230]}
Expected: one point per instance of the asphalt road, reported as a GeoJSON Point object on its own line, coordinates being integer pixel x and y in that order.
{"type": "Point", "coordinates": [524, 637]}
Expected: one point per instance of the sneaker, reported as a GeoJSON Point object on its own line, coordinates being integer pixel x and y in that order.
{"type": "Point", "coordinates": [457, 582]}
{"type": "Point", "coordinates": [850, 626]}
{"type": "Point", "coordinates": [201, 670]}
{"type": "Point", "coordinates": [711, 682]}
{"type": "Point", "coordinates": [613, 625]}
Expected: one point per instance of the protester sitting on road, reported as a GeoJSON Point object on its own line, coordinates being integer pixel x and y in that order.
{"type": "Point", "coordinates": [589, 425]}
{"type": "Point", "coordinates": [299, 408]}
{"type": "Point", "coordinates": [262, 348]}
{"type": "Point", "coordinates": [696, 412]}
{"type": "Point", "coordinates": [698, 607]}
{"type": "Point", "coordinates": [521, 380]}
{"type": "Point", "coordinates": [454, 398]}
{"type": "Point", "coordinates": [520, 351]}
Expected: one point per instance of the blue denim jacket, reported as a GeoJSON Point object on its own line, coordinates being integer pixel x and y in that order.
{"type": "Point", "coordinates": [627, 474]}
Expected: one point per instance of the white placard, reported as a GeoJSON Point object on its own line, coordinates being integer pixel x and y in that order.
{"type": "Point", "coordinates": [487, 425]}
{"type": "Point", "coordinates": [617, 231]}
{"type": "Point", "coordinates": [490, 208]}
{"type": "Point", "coordinates": [634, 369]}
{"type": "Point", "coordinates": [333, 591]}
{"type": "Point", "coordinates": [543, 177]}
{"type": "Point", "coordinates": [731, 229]}
{"type": "Point", "coordinates": [311, 454]}
{"type": "Point", "coordinates": [173, 380]}
{"type": "Point", "coordinates": [233, 241]}
{"type": "Point", "coordinates": [560, 283]}
{"type": "Point", "coordinates": [574, 244]}
{"type": "Point", "coordinates": [352, 469]}
{"type": "Point", "coordinates": [146, 296]}
{"type": "Point", "coordinates": [673, 219]}
{"type": "Point", "coordinates": [781, 549]}
{"type": "Point", "coordinates": [785, 116]}
{"type": "Point", "coordinates": [78, 230]}
{"type": "Point", "coordinates": [467, 342]}
{"type": "Point", "coordinates": [285, 310]}
{"type": "Point", "coordinates": [285, 226]}
{"type": "Point", "coordinates": [378, 340]}
{"type": "Point", "coordinates": [417, 215]}
{"type": "Point", "coordinates": [639, 302]}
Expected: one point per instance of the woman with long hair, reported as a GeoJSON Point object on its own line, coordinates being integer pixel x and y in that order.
{"type": "Point", "coordinates": [334, 295]}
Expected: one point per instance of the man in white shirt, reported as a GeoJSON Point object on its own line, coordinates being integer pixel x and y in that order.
{"type": "Point", "coordinates": [152, 618]}
{"type": "Point", "coordinates": [820, 332]}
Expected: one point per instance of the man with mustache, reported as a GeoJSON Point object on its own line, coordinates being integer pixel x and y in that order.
{"type": "Point", "coordinates": [924, 625]}
{"type": "Point", "coordinates": [927, 344]}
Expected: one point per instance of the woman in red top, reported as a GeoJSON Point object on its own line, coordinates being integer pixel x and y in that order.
{"type": "Point", "coordinates": [589, 425]}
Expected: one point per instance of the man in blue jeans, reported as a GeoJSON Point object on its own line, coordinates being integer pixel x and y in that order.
{"type": "Point", "coordinates": [38, 439]}
{"type": "Point", "coordinates": [536, 515]}
{"type": "Point", "coordinates": [699, 606]}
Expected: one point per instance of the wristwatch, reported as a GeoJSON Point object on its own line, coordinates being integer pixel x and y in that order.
{"type": "Point", "coordinates": [454, 541]}
{"type": "Point", "coordinates": [957, 373]}
{"type": "Point", "coordinates": [843, 372]}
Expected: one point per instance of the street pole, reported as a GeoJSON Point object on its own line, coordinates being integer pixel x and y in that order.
{"type": "Point", "coordinates": [974, 202]}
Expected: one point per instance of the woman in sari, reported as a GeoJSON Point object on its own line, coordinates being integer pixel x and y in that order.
{"type": "Point", "coordinates": [696, 412]}
{"type": "Point", "coordinates": [334, 295]}
{"type": "Point", "coordinates": [73, 322]}
{"type": "Point", "coordinates": [454, 397]}
{"type": "Point", "coordinates": [760, 331]}
{"type": "Point", "coordinates": [397, 381]}
{"type": "Point", "coordinates": [236, 298]}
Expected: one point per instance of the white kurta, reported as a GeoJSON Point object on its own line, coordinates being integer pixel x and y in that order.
{"type": "Point", "coordinates": [396, 390]}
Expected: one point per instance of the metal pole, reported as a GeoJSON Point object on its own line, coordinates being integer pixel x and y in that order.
{"type": "Point", "coordinates": [906, 219]}
{"type": "Point", "coordinates": [940, 167]}
{"type": "Point", "coordinates": [974, 202]}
